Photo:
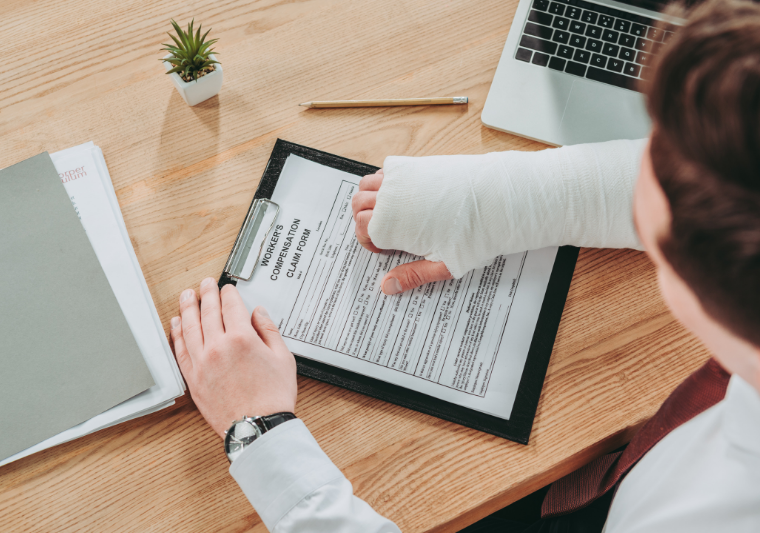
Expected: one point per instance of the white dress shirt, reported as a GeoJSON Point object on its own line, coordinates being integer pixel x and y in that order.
{"type": "Point", "coordinates": [702, 477]}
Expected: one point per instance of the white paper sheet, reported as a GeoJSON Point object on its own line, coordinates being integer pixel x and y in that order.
{"type": "Point", "coordinates": [464, 341]}
{"type": "Point", "coordinates": [86, 179]}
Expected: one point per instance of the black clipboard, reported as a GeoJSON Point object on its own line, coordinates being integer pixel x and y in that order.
{"type": "Point", "coordinates": [519, 426]}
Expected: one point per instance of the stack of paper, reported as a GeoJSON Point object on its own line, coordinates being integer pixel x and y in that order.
{"type": "Point", "coordinates": [85, 176]}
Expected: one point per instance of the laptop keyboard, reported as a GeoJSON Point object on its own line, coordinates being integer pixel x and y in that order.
{"type": "Point", "coordinates": [591, 41]}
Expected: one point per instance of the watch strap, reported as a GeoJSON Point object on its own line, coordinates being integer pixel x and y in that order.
{"type": "Point", "coordinates": [272, 421]}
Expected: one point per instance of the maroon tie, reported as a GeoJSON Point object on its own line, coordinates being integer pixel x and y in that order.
{"type": "Point", "coordinates": [703, 389]}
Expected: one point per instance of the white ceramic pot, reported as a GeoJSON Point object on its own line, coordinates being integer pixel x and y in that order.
{"type": "Point", "coordinates": [200, 90]}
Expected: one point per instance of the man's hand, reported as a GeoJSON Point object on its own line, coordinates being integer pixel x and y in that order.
{"type": "Point", "coordinates": [236, 365]}
{"type": "Point", "coordinates": [403, 277]}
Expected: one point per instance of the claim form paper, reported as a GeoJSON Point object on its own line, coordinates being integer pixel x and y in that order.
{"type": "Point", "coordinates": [464, 341]}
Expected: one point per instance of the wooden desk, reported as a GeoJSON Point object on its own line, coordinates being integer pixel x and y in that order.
{"type": "Point", "coordinates": [88, 70]}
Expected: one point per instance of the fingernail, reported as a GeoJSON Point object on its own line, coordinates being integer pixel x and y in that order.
{"type": "Point", "coordinates": [186, 295]}
{"type": "Point", "coordinates": [391, 286]}
{"type": "Point", "coordinates": [263, 312]}
{"type": "Point", "coordinates": [175, 322]}
{"type": "Point", "coordinates": [207, 281]}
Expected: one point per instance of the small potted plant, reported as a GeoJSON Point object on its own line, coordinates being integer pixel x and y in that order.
{"type": "Point", "coordinates": [192, 65]}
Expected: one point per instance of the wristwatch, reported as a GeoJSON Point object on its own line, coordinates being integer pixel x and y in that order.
{"type": "Point", "coordinates": [246, 430]}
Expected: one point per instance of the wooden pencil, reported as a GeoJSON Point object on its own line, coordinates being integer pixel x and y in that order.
{"type": "Point", "coordinates": [392, 102]}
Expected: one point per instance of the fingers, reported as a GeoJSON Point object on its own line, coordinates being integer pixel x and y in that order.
{"type": "Point", "coordinates": [234, 312]}
{"type": "Point", "coordinates": [363, 200]}
{"type": "Point", "coordinates": [191, 322]}
{"type": "Point", "coordinates": [362, 233]}
{"type": "Point", "coordinates": [211, 310]}
{"type": "Point", "coordinates": [362, 205]}
{"type": "Point", "coordinates": [268, 331]}
{"type": "Point", "coordinates": [371, 182]}
{"type": "Point", "coordinates": [411, 275]}
{"type": "Point", "coordinates": [184, 360]}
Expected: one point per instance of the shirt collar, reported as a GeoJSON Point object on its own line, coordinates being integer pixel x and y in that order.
{"type": "Point", "coordinates": [742, 415]}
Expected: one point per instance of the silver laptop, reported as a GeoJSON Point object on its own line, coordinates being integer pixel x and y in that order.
{"type": "Point", "coordinates": [570, 69]}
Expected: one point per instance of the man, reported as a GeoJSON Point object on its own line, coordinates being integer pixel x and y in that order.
{"type": "Point", "coordinates": [696, 466]}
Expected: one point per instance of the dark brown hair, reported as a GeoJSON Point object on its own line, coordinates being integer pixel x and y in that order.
{"type": "Point", "coordinates": [704, 100]}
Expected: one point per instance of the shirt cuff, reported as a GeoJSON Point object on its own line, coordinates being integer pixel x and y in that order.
{"type": "Point", "coordinates": [282, 468]}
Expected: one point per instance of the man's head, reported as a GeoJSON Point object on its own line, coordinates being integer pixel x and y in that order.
{"type": "Point", "coordinates": [697, 201]}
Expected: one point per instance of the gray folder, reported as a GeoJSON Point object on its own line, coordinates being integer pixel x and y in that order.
{"type": "Point", "coordinates": [66, 350]}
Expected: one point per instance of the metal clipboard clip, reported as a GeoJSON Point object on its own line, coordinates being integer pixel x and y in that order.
{"type": "Point", "coordinates": [258, 224]}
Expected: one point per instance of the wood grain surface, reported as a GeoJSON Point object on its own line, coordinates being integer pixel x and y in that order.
{"type": "Point", "coordinates": [81, 70]}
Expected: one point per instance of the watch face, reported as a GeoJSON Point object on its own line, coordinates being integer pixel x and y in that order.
{"type": "Point", "coordinates": [240, 436]}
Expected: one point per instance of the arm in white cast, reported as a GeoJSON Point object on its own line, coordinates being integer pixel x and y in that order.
{"type": "Point", "coordinates": [295, 488]}
{"type": "Point", "coordinates": [465, 210]}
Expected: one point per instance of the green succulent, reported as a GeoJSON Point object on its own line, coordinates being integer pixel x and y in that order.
{"type": "Point", "coordinates": [191, 53]}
